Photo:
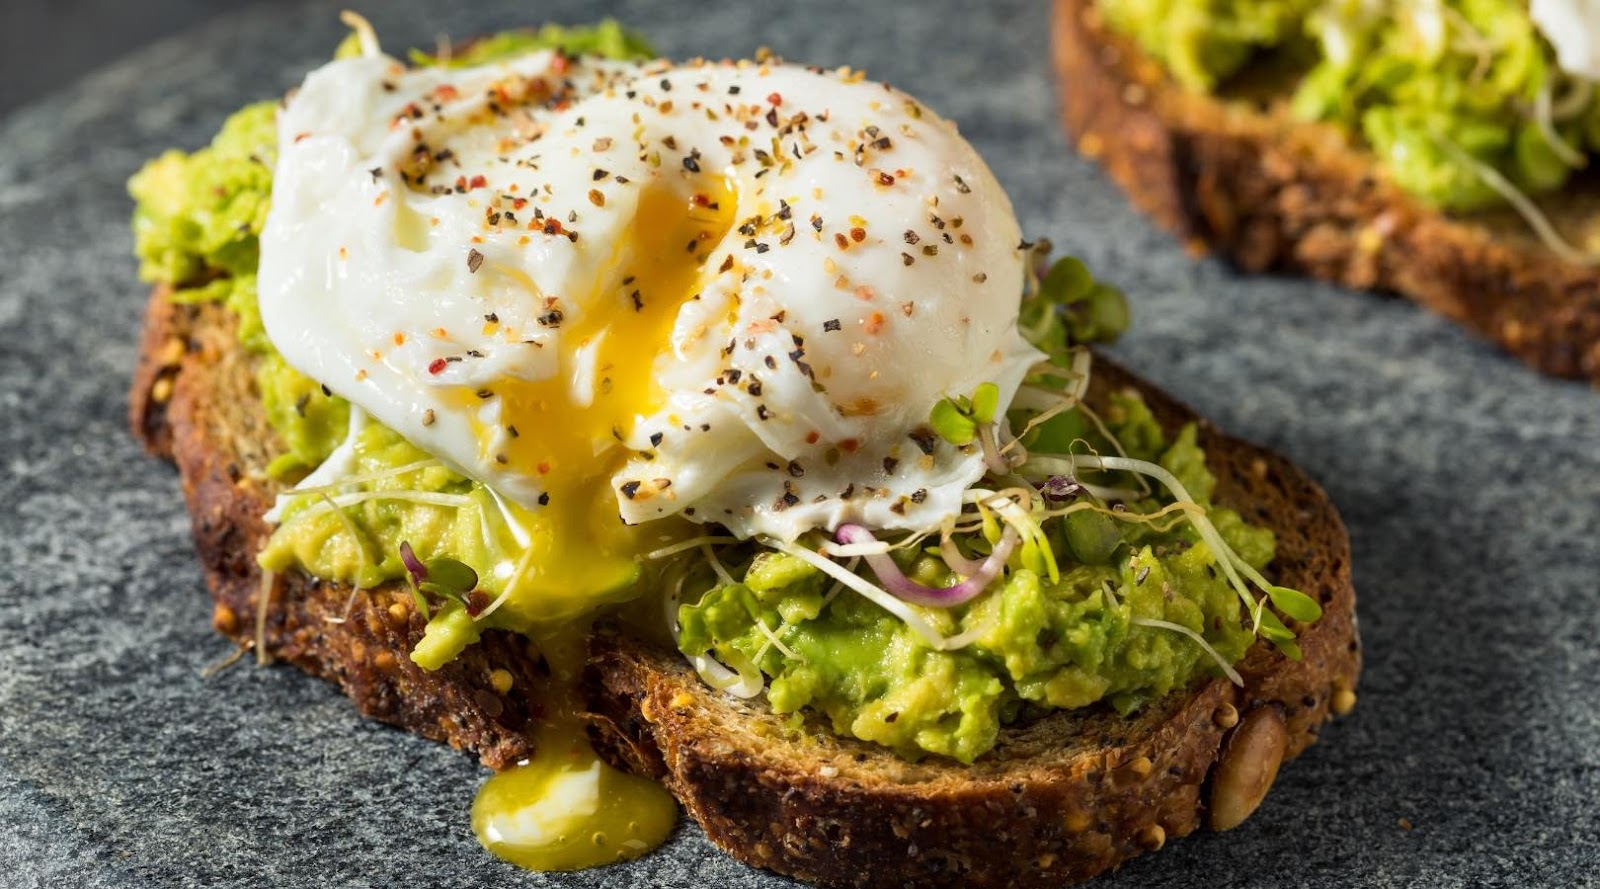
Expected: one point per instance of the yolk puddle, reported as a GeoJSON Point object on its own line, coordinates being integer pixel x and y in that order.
{"type": "Point", "coordinates": [565, 809]}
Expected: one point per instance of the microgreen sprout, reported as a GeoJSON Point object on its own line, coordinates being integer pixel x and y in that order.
{"type": "Point", "coordinates": [958, 419]}
{"type": "Point", "coordinates": [1069, 304]}
{"type": "Point", "coordinates": [961, 420]}
{"type": "Point", "coordinates": [895, 581]}
{"type": "Point", "coordinates": [441, 578]}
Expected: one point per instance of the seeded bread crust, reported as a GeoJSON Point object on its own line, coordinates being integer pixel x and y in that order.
{"type": "Point", "coordinates": [1061, 799]}
{"type": "Point", "coordinates": [1244, 179]}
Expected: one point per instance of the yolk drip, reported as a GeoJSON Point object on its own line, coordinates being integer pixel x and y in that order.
{"type": "Point", "coordinates": [565, 809]}
{"type": "Point", "coordinates": [570, 438]}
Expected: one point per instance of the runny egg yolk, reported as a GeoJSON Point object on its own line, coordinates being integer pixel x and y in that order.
{"type": "Point", "coordinates": [565, 808]}
{"type": "Point", "coordinates": [579, 551]}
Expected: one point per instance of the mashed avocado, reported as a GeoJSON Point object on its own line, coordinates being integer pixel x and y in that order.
{"type": "Point", "coordinates": [1439, 91]}
{"type": "Point", "coordinates": [1040, 645]}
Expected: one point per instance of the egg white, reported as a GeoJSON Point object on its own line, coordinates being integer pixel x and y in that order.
{"type": "Point", "coordinates": [483, 259]}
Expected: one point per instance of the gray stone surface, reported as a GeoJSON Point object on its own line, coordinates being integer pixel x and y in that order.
{"type": "Point", "coordinates": [1471, 487]}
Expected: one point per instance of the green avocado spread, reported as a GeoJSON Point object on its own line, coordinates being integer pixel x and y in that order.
{"type": "Point", "coordinates": [1100, 602]}
{"type": "Point", "coordinates": [1040, 644]}
{"type": "Point", "coordinates": [1462, 101]}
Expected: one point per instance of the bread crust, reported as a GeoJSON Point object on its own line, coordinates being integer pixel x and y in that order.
{"type": "Point", "coordinates": [1060, 800]}
{"type": "Point", "coordinates": [1274, 194]}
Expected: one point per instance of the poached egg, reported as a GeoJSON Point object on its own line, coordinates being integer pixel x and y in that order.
{"type": "Point", "coordinates": [617, 293]}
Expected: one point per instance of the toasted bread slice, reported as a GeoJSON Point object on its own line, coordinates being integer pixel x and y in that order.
{"type": "Point", "coordinates": [1238, 175]}
{"type": "Point", "coordinates": [1060, 799]}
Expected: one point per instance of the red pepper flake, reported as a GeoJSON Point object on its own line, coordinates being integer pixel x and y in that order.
{"type": "Point", "coordinates": [849, 445]}
{"type": "Point", "coordinates": [874, 322]}
{"type": "Point", "coordinates": [775, 98]}
{"type": "Point", "coordinates": [477, 182]}
{"type": "Point", "coordinates": [841, 240]}
{"type": "Point", "coordinates": [813, 437]}
{"type": "Point", "coordinates": [597, 197]}
{"type": "Point", "coordinates": [437, 366]}
{"type": "Point", "coordinates": [560, 63]}
{"type": "Point", "coordinates": [858, 234]}
{"type": "Point", "coordinates": [444, 92]}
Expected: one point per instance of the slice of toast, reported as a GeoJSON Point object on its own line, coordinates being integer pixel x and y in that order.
{"type": "Point", "coordinates": [1062, 798]}
{"type": "Point", "coordinates": [1239, 175]}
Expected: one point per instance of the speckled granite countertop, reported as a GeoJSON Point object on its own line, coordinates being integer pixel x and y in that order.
{"type": "Point", "coordinates": [1471, 488]}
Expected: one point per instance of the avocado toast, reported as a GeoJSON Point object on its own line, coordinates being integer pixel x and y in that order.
{"type": "Point", "coordinates": [1080, 789]}
{"type": "Point", "coordinates": [1235, 163]}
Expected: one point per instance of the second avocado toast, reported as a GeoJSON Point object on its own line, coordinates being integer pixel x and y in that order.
{"type": "Point", "coordinates": [1437, 150]}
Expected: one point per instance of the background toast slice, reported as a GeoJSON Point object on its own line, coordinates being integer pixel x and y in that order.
{"type": "Point", "coordinates": [1060, 799]}
{"type": "Point", "coordinates": [1271, 193]}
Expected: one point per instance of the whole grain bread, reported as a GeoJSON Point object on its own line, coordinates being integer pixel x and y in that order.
{"type": "Point", "coordinates": [1062, 798]}
{"type": "Point", "coordinates": [1237, 174]}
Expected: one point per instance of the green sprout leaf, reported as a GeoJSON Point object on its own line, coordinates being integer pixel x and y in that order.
{"type": "Point", "coordinates": [1071, 307]}
{"type": "Point", "coordinates": [985, 401]}
{"type": "Point", "coordinates": [952, 423]}
{"type": "Point", "coordinates": [1272, 627]}
{"type": "Point", "coordinates": [1067, 281]}
{"type": "Point", "coordinates": [1273, 630]}
{"type": "Point", "coordinates": [1107, 313]}
{"type": "Point", "coordinates": [450, 577]}
{"type": "Point", "coordinates": [1294, 603]}
{"type": "Point", "coordinates": [1092, 536]}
